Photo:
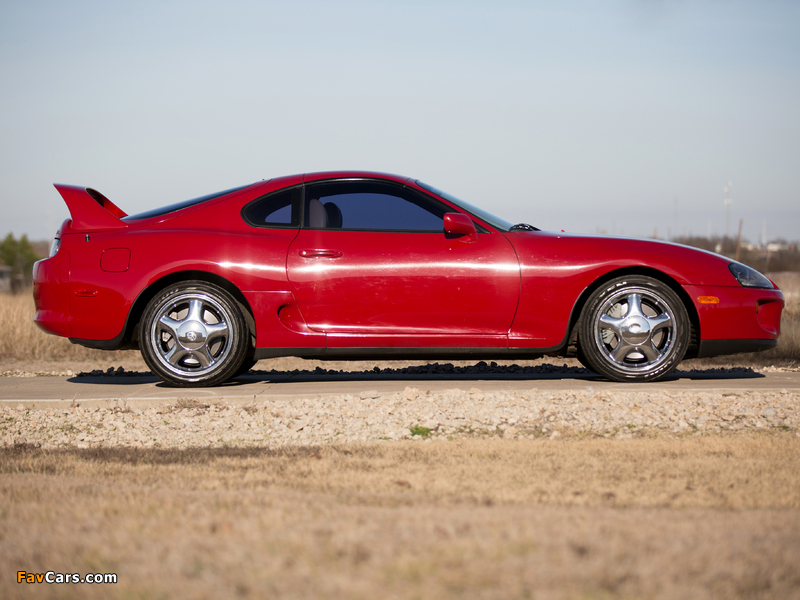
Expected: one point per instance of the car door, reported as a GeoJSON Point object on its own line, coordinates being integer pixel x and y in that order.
{"type": "Point", "coordinates": [372, 266]}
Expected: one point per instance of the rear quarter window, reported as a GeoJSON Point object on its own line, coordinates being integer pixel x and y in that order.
{"type": "Point", "coordinates": [279, 209]}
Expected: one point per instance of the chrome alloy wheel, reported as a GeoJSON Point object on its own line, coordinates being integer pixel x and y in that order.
{"type": "Point", "coordinates": [634, 329]}
{"type": "Point", "coordinates": [191, 334]}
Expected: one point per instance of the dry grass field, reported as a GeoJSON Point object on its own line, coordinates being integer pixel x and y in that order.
{"type": "Point", "coordinates": [577, 518]}
{"type": "Point", "coordinates": [702, 517]}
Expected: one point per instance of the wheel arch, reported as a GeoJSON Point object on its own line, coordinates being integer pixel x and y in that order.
{"type": "Point", "coordinates": [139, 305]}
{"type": "Point", "coordinates": [691, 310]}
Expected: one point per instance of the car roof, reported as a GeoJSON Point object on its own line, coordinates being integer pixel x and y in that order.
{"type": "Point", "coordinates": [321, 175]}
{"type": "Point", "coordinates": [275, 182]}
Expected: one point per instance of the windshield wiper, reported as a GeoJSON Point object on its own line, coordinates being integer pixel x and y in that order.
{"type": "Point", "coordinates": [524, 227]}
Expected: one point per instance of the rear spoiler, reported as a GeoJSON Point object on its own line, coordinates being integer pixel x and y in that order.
{"type": "Point", "coordinates": [89, 209]}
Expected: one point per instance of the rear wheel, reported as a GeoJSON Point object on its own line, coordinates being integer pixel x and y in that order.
{"type": "Point", "coordinates": [633, 329]}
{"type": "Point", "coordinates": [193, 334]}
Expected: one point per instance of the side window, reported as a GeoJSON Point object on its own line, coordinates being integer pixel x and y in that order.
{"type": "Point", "coordinates": [369, 205]}
{"type": "Point", "coordinates": [281, 209]}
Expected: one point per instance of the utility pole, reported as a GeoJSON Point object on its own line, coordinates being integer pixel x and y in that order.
{"type": "Point", "coordinates": [739, 239]}
{"type": "Point", "coordinates": [675, 221]}
{"type": "Point", "coordinates": [728, 202]}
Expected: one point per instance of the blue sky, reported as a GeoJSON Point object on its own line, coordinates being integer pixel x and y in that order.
{"type": "Point", "coordinates": [616, 116]}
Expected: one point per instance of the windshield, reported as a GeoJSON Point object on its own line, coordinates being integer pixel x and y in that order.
{"type": "Point", "coordinates": [487, 217]}
{"type": "Point", "coordinates": [164, 210]}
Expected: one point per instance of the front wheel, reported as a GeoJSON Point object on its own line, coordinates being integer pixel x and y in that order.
{"type": "Point", "coordinates": [634, 329]}
{"type": "Point", "coordinates": [192, 334]}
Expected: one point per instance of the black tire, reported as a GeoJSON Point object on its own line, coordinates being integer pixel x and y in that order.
{"type": "Point", "coordinates": [193, 334]}
{"type": "Point", "coordinates": [248, 364]}
{"type": "Point", "coordinates": [633, 329]}
{"type": "Point", "coordinates": [582, 358]}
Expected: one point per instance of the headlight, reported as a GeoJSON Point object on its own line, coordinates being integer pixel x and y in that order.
{"type": "Point", "coordinates": [54, 247]}
{"type": "Point", "coordinates": [748, 277]}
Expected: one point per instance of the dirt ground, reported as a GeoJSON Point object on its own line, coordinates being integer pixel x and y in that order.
{"type": "Point", "coordinates": [694, 517]}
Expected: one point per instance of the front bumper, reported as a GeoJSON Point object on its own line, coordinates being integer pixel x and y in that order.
{"type": "Point", "coordinates": [743, 319]}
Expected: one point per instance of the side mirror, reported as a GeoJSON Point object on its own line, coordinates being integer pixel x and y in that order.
{"type": "Point", "coordinates": [459, 224]}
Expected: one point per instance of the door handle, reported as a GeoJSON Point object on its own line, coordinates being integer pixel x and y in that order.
{"type": "Point", "coordinates": [320, 253]}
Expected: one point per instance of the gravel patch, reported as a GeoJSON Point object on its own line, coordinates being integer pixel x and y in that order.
{"type": "Point", "coordinates": [27, 373]}
{"type": "Point", "coordinates": [413, 413]}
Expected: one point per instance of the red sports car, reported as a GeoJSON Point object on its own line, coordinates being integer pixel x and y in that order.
{"type": "Point", "coordinates": [367, 265]}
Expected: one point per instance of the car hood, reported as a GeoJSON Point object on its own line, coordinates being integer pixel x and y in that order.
{"type": "Point", "coordinates": [596, 253]}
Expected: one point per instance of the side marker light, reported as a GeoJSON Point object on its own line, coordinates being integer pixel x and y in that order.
{"type": "Point", "coordinates": [708, 300]}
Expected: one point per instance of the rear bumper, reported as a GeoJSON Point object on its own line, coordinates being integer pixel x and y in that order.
{"type": "Point", "coordinates": [51, 294]}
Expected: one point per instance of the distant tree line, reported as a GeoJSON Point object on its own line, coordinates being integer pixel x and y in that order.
{"type": "Point", "coordinates": [760, 258]}
{"type": "Point", "coordinates": [19, 255]}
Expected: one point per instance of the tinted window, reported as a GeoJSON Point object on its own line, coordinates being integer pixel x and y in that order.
{"type": "Point", "coordinates": [164, 210]}
{"type": "Point", "coordinates": [372, 206]}
{"type": "Point", "coordinates": [280, 209]}
{"type": "Point", "coordinates": [497, 222]}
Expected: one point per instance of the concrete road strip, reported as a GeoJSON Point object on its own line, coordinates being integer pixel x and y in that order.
{"type": "Point", "coordinates": [144, 391]}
